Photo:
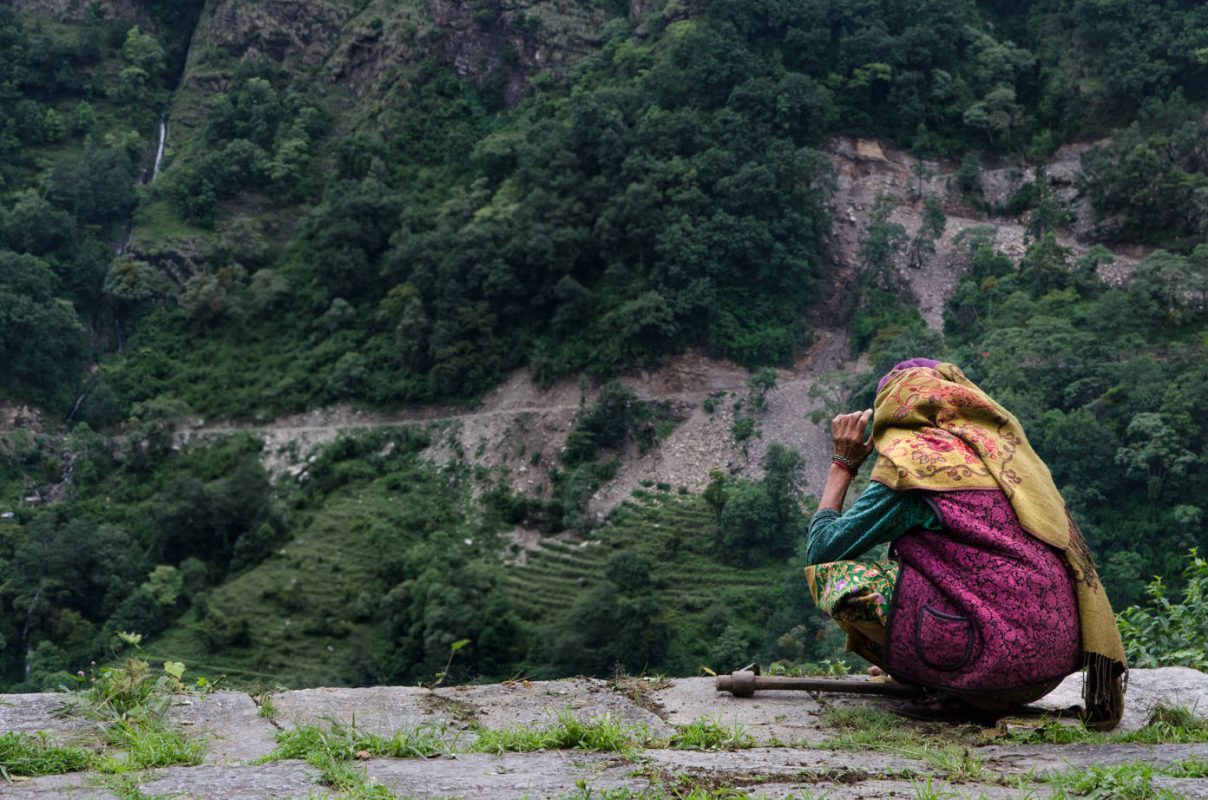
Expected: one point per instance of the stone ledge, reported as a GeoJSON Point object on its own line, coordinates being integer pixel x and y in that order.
{"type": "Point", "coordinates": [235, 732]}
{"type": "Point", "coordinates": [1050, 758]}
{"type": "Point", "coordinates": [229, 722]}
{"type": "Point", "coordinates": [281, 779]}
{"type": "Point", "coordinates": [1147, 688]}
{"type": "Point", "coordinates": [383, 710]}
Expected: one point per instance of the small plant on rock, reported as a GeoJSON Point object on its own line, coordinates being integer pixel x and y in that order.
{"type": "Point", "coordinates": [131, 701]}
{"type": "Point", "coordinates": [709, 734]}
{"type": "Point", "coordinates": [29, 756]}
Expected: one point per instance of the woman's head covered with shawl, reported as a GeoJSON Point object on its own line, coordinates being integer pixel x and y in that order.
{"type": "Point", "coordinates": [901, 365]}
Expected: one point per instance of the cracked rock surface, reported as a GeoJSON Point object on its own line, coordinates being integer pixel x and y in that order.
{"type": "Point", "coordinates": [791, 731]}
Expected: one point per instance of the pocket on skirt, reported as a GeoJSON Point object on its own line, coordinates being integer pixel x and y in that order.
{"type": "Point", "coordinates": [944, 641]}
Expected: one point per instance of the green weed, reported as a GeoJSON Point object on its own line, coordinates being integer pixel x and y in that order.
{"type": "Point", "coordinates": [863, 728]}
{"type": "Point", "coordinates": [265, 706]}
{"type": "Point", "coordinates": [826, 667]}
{"type": "Point", "coordinates": [1122, 782]}
{"type": "Point", "coordinates": [1167, 724]}
{"type": "Point", "coordinates": [334, 750]}
{"type": "Point", "coordinates": [926, 791]}
{"type": "Point", "coordinates": [126, 787]}
{"type": "Point", "coordinates": [132, 691]}
{"type": "Point", "coordinates": [30, 756]}
{"type": "Point", "coordinates": [345, 743]}
{"type": "Point", "coordinates": [1170, 724]}
{"type": "Point", "coordinates": [149, 745]}
{"type": "Point", "coordinates": [567, 733]}
{"type": "Point", "coordinates": [708, 734]}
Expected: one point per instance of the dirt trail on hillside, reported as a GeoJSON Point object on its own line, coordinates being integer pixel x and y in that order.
{"type": "Point", "coordinates": [523, 427]}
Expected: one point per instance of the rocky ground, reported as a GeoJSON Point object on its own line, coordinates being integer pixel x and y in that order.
{"type": "Point", "coordinates": [796, 744]}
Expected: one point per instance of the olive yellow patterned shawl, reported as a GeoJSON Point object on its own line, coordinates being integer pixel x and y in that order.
{"type": "Point", "coordinates": [935, 430]}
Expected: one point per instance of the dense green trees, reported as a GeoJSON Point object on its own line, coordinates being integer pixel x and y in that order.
{"type": "Point", "coordinates": [41, 339]}
{"type": "Point", "coordinates": [145, 533]}
{"type": "Point", "coordinates": [617, 624]}
{"type": "Point", "coordinates": [67, 186]}
{"type": "Point", "coordinates": [633, 211]}
{"type": "Point", "coordinates": [667, 193]}
{"type": "Point", "coordinates": [758, 520]}
{"type": "Point", "coordinates": [256, 137]}
{"type": "Point", "coordinates": [1152, 179]}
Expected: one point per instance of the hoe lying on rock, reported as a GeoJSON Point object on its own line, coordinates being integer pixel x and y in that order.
{"type": "Point", "coordinates": [745, 682]}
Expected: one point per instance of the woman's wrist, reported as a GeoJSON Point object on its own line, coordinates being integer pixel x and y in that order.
{"type": "Point", "coordinates": [838, 479]}
{"type": "Point", "coordinates": [852, 467]}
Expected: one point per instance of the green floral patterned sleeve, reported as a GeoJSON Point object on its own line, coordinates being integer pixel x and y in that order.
{"type": "Point", "coordinates": [880, 515]}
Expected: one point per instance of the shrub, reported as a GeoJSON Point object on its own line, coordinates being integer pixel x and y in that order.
{"type": "Point", "coordinates": [1167, 633]}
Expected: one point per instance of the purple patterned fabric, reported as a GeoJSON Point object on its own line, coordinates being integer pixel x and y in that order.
{"type": "Point", "coordinates": [983, 606]}
{"type": "Point", "coordinates": [914, 362]}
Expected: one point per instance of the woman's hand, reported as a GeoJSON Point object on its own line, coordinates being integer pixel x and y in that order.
{"type": "Point", "coordinates": [851, 448]}
{"type": "Point", "coordinates": [847, 430]}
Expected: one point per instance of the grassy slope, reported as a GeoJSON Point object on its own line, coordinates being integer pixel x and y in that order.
{"type": "Point", "coordinates": [307, 634]}
{"type": "Point", "coordinates": [297, 602]}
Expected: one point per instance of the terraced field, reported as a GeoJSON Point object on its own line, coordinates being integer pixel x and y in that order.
{"type": "Point", "coordinates": [675, 532]}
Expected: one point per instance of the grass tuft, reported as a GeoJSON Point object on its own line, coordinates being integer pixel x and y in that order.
{"type": "Point", "coordinates": [126, 788]}
{"type": "Point", "coordinates": [333, 752]}
{"type": "Point", "coordinates": [1121, 782]}
{"type": "Point", "coordinates": [863, 728]}
{"type": "Point", "coordinates": [150, 745]}
{"type": "Point", "coordinates": [567, 733]}
{"type": "Point", "coordinates": [709, 734]}
{"type": "Point", "coordinates": [30, 756]}
{"type": "Point", "coordinates": [1167, 724]}
{"type": "Point", "coordinates": [346, 743]}
{"type": "Point", "coordinates": [266, 708]}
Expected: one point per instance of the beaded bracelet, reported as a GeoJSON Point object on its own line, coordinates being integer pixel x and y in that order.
{"type": "Point", "coordinates": [846, 463]}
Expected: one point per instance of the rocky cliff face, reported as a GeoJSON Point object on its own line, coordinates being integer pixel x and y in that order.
{"type": "Point", "coordinates": [367, 48]}
{"type": "Point", "coordinates": [75, 10]}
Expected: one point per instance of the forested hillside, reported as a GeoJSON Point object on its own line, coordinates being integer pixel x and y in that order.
{"type": "Point", "coordinates": [216, 210]}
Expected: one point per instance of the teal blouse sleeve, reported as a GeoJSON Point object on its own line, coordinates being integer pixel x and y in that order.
{"type": "Point", "coordinates": [880, 515]}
